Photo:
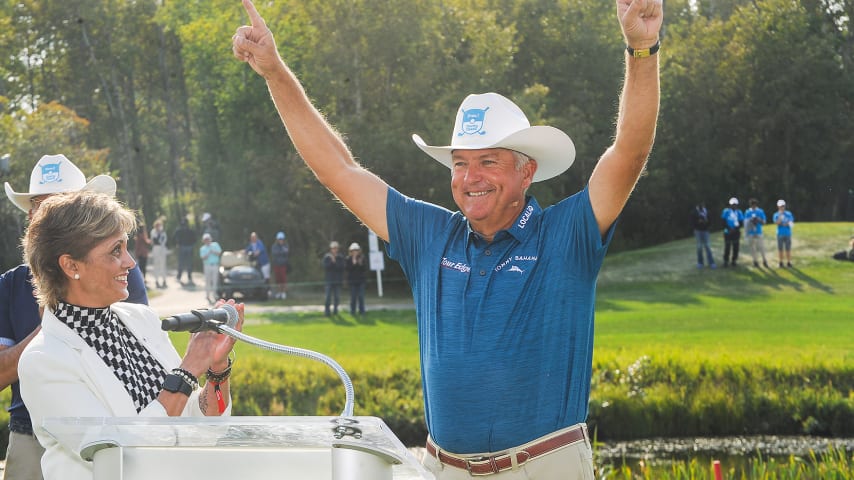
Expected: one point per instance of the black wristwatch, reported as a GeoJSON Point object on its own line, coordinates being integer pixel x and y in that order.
{"type": "Point", "coordinates": [177, 384]}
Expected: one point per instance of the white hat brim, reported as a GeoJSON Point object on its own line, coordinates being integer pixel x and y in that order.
{"type": "Point", "coordinates": [101, 183]}
{"type": "Point", "coordinates": [550, 147]}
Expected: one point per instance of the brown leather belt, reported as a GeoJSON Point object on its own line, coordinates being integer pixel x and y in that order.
{"type": "Point", "coordinates": [502, 462]}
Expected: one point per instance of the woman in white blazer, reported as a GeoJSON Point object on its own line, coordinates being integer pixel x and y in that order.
{"type": "Point", "coordinates": [96, 356]}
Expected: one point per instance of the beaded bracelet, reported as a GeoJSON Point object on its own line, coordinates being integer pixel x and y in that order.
{"type": "Point", "coordinates": [216, 378]}
{"type": "Point", "coordinates": [187, 376]}
{"type": "Point", "coordinates": [219, 377]}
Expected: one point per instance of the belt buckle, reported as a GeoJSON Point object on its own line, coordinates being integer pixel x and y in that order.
{"type": "Point", "coordinates": [480, 461]}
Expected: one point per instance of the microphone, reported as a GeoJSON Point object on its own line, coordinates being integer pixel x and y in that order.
{"type": "Point", "coordinates": [202, 319]}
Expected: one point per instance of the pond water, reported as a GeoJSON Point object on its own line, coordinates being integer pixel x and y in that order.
{"type": "Point", "coordinates": [729, 450]}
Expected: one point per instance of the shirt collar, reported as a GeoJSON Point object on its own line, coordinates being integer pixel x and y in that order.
{"type": "Point", "coordinates": [82, 318]}
{"type": "Point", "coordinates": [521, 227]}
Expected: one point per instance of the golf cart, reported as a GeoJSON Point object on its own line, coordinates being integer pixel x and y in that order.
{"type": "Point", "coordinates": [237, 275]}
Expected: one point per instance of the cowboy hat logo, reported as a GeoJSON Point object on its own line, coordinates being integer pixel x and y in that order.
{"type": "Point", "coordinates": [472, 122]}
{"type": "Point", "coordinates": [50, 173]}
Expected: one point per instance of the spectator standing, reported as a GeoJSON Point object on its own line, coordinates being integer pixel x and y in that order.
{"type": "Point", "coordinates": [185, 239]}
{"type": "Point", "coordinates": [279, 258]}
{"type": "Point", "coordinates": [210, 226]}
{"type": "Point", "coordinates": [700, 222]}
{"type": "Point", "coordinates": [333, 276]}
{"type": "Point", "coordinates": [141, 248]}
{"type": "Point", "coordinates": [258, 255]}
{"type": "Point", "coordinates": [785, 221]}
{"type": "Point", "coordinates": [733, 218]}
{"type": "Point", "coordinates": [754, 219]}
{"type": "Point", "coordinates": [210, 253]}
{"type": "Point", "coordinates": [356, 267]}
{"type": "Point", "coordinates": [158, 252]}
{"type": "Point", "coordinates": [20, 315]}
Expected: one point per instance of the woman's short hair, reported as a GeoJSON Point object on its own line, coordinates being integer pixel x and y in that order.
{"type": "Point", "coordinates": [73, 224]}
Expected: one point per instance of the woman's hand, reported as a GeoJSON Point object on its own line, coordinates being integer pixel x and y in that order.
{"type": "Point", "coordinates": [209, 349]}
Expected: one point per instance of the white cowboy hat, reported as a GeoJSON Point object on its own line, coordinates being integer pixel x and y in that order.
{"type": "Point", "coordinates": [490, 120]}
{"type": "Point", "coordinates": [56, 174]}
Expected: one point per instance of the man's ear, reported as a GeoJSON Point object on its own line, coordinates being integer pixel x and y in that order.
{"type": "Point", "coordinates": [529, 169]}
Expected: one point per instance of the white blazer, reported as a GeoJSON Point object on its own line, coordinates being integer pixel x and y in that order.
{"type": "Point", "coordinates": [61, 376]}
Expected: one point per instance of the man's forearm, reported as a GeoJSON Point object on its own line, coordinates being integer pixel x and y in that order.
{"type": "Point", "coordinates": [639, 105]}
{"type": "Point", "coordinates": [9, 357]}
{"type": "Point", "coordinates": [316, 141]}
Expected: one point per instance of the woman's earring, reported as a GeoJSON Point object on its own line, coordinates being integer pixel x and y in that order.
{"type": "Point", "coordinates": [77, 276]}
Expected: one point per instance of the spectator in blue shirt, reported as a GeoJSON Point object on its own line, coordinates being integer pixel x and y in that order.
{"type": "Point", "coordinates": [505, 309]}
{"type": "Point", "coordinates": [20, 316]}
{"type": "Point", "coordinates": [754, 218]}
{"type": "Point", "coordinates": [257, 254]}
{"type": "Point", "coordinates": [733, 220]}
{"type": "Point", "coordinates": [785, 221]}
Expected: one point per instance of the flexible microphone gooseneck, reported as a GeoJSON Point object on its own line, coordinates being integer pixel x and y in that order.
{"type": "Point", "coordinates": [223, 320]}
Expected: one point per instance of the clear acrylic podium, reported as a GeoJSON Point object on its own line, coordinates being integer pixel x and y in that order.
{"type": "Point", "coordinates": [245, 448]}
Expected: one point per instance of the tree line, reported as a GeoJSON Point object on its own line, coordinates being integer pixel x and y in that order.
{"type": "Point", "coordinates": [756, 102]}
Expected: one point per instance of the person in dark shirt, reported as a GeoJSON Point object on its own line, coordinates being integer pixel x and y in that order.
{"type": "Point", "coordinates": [185, 238]}
{"type": "Point", "coordinates": [333, 276]}
{"type": "Point", "coordinates": [356, 267]}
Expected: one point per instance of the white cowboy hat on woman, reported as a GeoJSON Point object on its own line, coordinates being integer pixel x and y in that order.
{"type": "Point", "coordinates": [489, 120]}
{"type": "Point", "coordinates": [56, 174]}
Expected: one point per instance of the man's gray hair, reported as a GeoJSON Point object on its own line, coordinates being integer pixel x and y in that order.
{"type": "Point", "coordinates": [521, 159]}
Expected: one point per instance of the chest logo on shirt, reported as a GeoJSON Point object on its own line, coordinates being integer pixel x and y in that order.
{"type": "Point", "coordinates": [510, 263]}
{"type": "Point", "coordinates": [458, 266]}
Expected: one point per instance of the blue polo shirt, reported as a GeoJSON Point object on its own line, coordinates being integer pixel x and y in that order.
{"type": "Point", "coordinates": [754, 228]}
{"type": "Point", "coordinates": [784, 228]}
{"type": "Point", "coordinates": [505, 328]}
{"type": "Point", "coordinates": [19, 316]}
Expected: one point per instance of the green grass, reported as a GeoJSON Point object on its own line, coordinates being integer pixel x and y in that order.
{"type": "Point", "coordinates": [656, 302]}
{"type": "Point", "coordinates": [652, 302]}
{"type": "Point", "coordinates": [382, 338]}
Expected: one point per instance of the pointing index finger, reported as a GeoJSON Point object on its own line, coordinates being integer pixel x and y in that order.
{"type": "Point", "coordinates": [254, 17]}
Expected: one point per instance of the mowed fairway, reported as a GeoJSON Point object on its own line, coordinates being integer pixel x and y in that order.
{"type": "Point", "coordinates": [651, 302]}
{"type": "Point", "coordinates": [656, 302]}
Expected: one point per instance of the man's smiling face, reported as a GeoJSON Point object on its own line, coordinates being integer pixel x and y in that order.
{"type": "Point", "coordinates": [489, 187]}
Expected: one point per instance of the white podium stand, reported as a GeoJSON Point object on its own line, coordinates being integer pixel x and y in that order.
{"type": "Point", "coordinates": [244, 448]}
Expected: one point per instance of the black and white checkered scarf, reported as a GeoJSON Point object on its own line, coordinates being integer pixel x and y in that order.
{"type": "Point", "coordinates": [141, 374]}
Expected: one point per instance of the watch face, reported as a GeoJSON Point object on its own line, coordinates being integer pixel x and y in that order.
{"type": "Point", "coordinates": [176, 384]}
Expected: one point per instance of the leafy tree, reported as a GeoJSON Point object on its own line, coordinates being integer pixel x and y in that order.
{"type": "Point", "coordinates": [51, 129]}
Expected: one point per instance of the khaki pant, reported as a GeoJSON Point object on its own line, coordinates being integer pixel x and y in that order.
{"type": "Point", "coordinates": [573, 462]}
{"type": "Point", "coordinates": [23, 458]}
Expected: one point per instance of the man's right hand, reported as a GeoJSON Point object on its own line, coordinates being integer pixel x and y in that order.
{"type": "Point", "coordinates": [254, 44]}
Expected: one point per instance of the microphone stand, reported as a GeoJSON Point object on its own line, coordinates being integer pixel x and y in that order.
{"type": "Point", "coordinates": [299, 352]}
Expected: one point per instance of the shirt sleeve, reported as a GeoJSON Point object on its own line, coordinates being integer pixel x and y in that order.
{"type": "Point", "coordinates": [6, 333]}
{"type": "Point", "coordinates": [136, 287]}
{"type": "Point", "coordinates": [412, 226]}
